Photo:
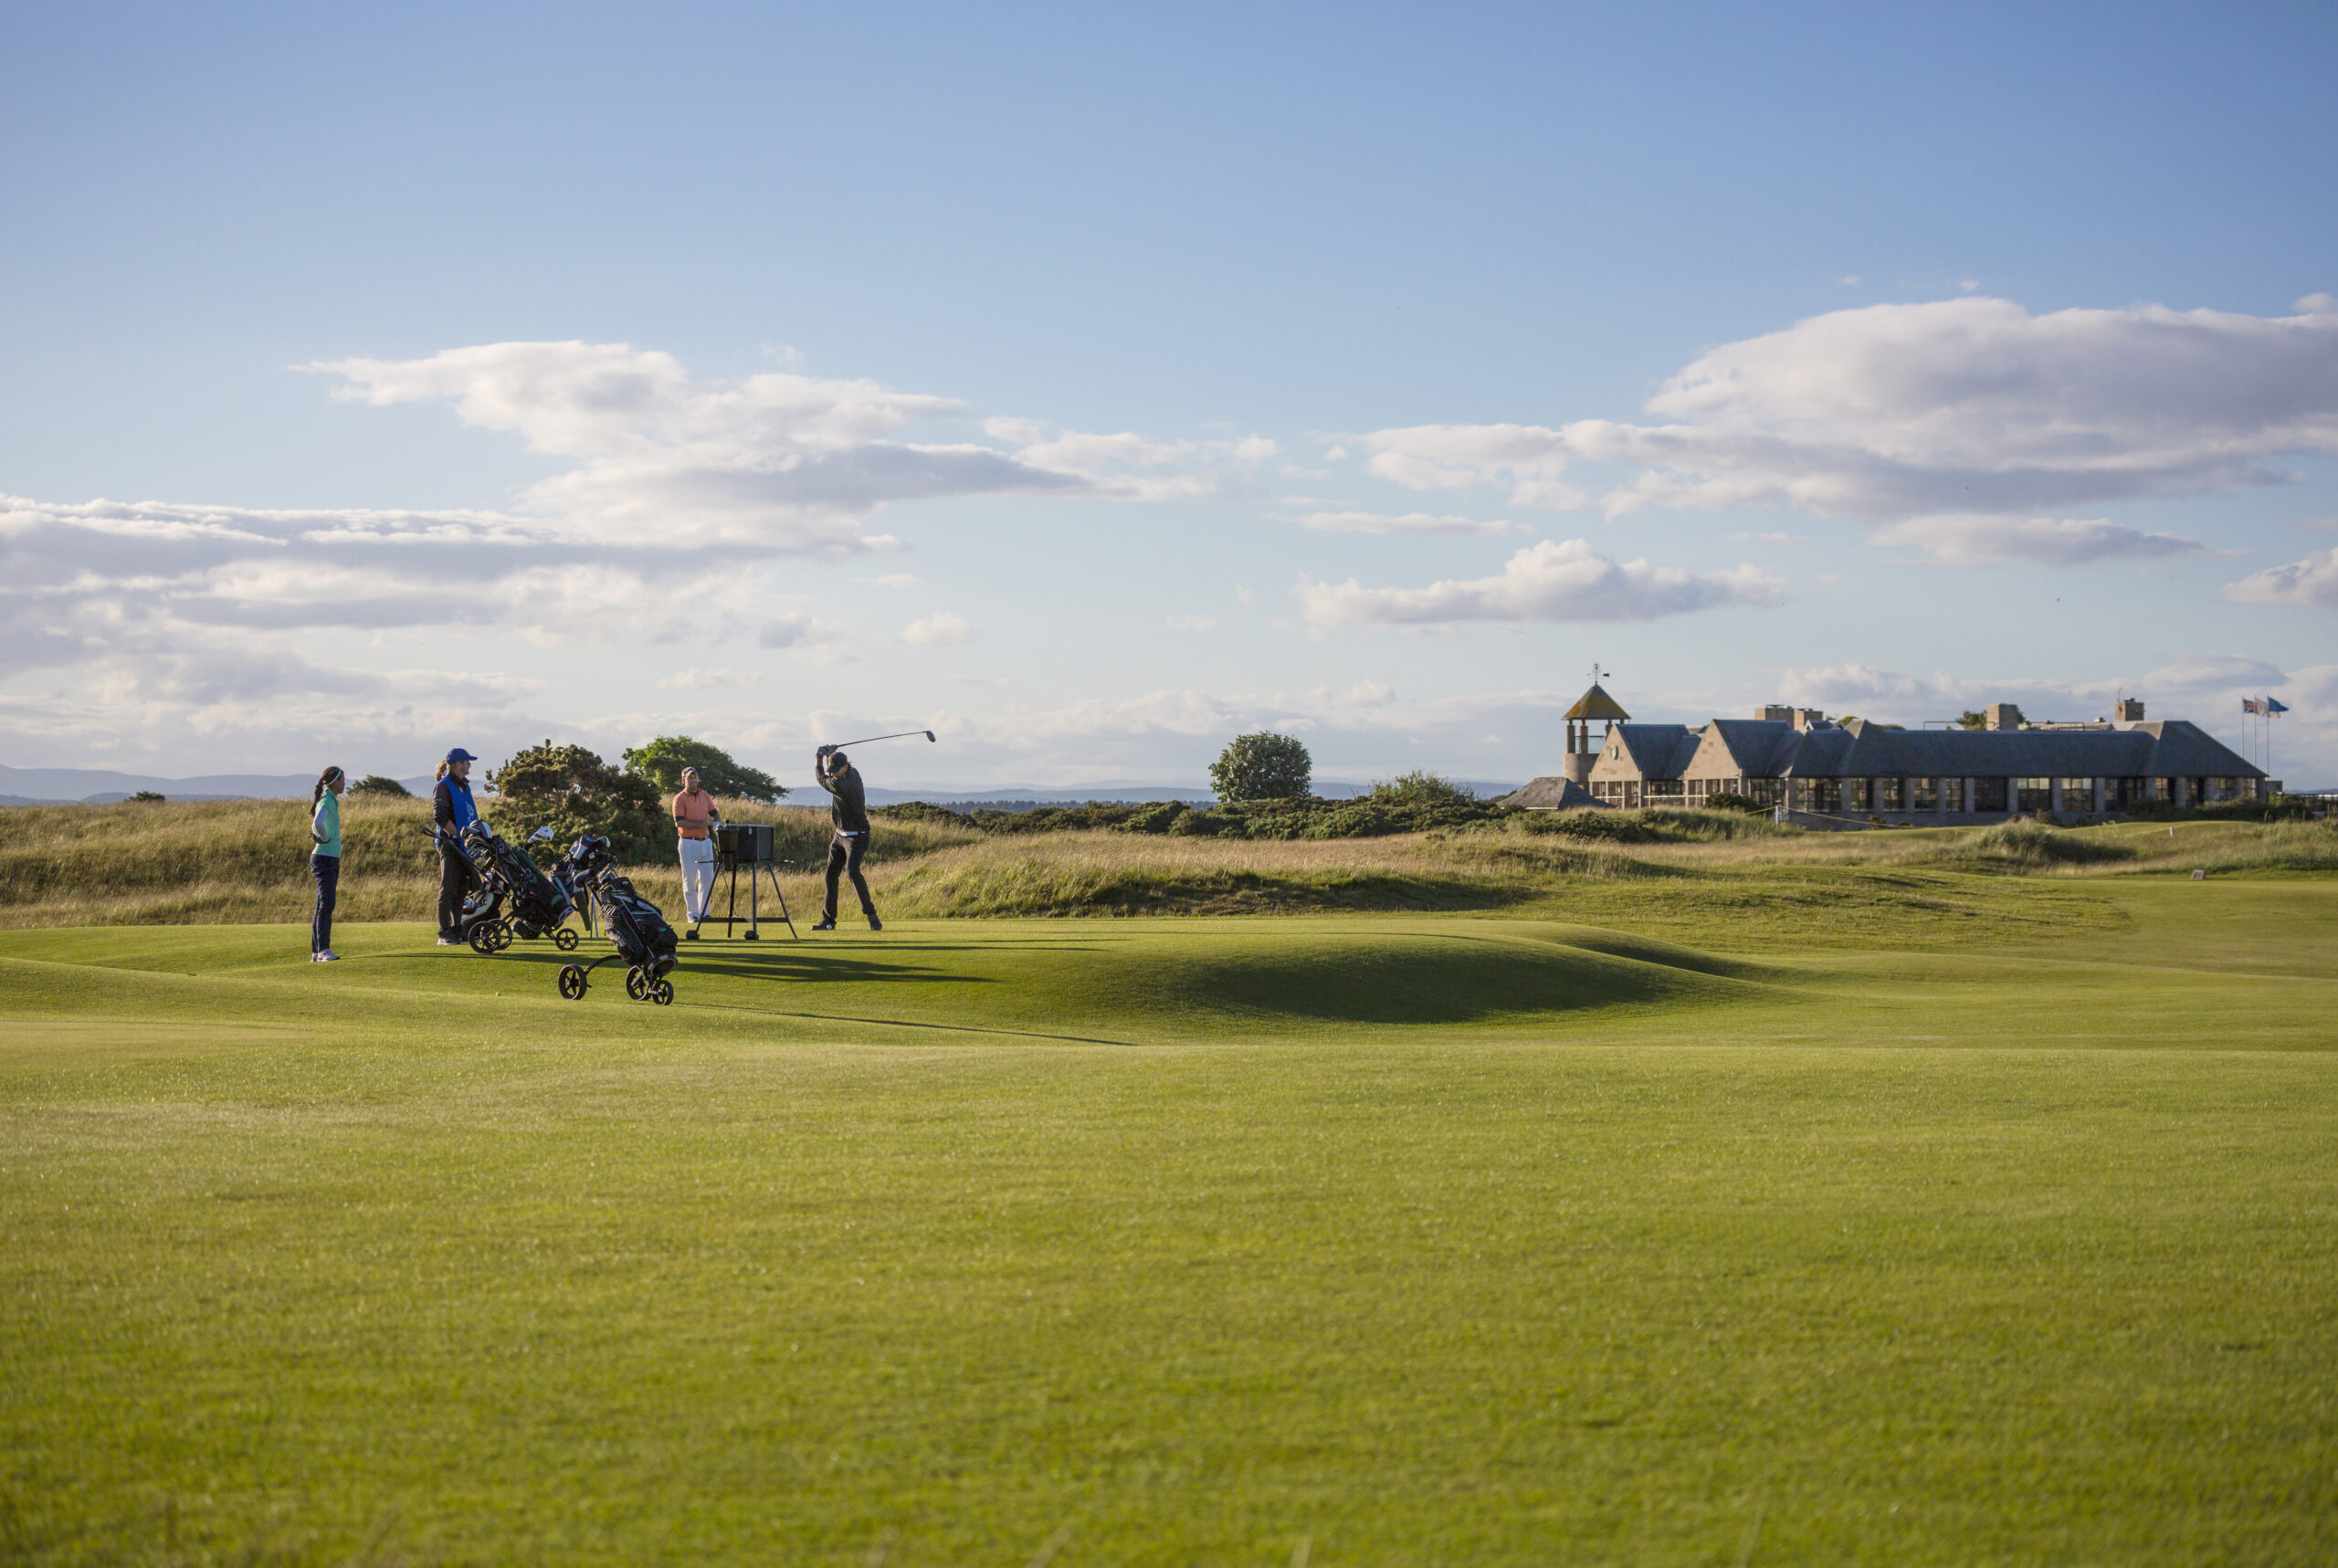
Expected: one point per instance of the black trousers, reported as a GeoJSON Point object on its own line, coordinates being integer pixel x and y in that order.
{"type": "Point", "coordinates": [455, 880]}
{"type": "Point", "coordinates": [844, 851]}
{"type": "Point", "coordinates": [326, 869]}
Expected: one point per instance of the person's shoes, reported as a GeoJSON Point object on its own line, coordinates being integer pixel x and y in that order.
{"type": "Point", "coordinates": [691, 935]}
{"type": "Point", "coordinates": [874, 924]}
{"type": "Point", "coordinates": [327, 956]}
{"type": "Point", "coordinates": [828, 924]}
{"type": "Point", "coordinates": [449, 941]}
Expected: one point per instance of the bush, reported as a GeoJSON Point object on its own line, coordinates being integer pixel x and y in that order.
{"type": "Point", "coordinates": [571, 790]}
{"type": "Point", "coordinates": [1420, 788]}
{"type": "Point", "coordinates": [661, 762]}
{"type": "Point", "coordinates": [1745, 804]}
{"type": "Point", "coordinates": [925, 811]}
{"type": "Point", "coordinates": [376, 783]}
{"type": "Point", "coordinates": [150, 795]}
{"type": "Point", "coordinates": [1262, 767]}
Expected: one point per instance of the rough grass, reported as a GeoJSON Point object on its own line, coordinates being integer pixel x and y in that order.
{"type": "Point", "coordinates": [1365, 1239]}
{"type": "Point", "coordinates": [241, 861]}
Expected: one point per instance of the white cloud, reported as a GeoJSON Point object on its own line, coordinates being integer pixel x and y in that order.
{"type": "Point", "coordinates": [1975, 541]}
{"type": "Point", "coordinates": [1771, 538]}
{"type": "Point", "coordinates": [1960, 406]}
{"type": "Point", "coordinates": [1125, 464]}
{"type": "Point", "coordinates": [782, 462]}
{"type": "Point", "coordinates": [937, 630]}
{"type": "Point", "coordinates": [2312, 582]}
{"type": "Point", "coordinates": [1550, 580]}
{"type": "Point", "coordinates": [710, 679]}
{"type": "Point", "coordinates": [1416, 522]}
{"type": "Point", "coordinates": [1527, 458]}
{"type": "Point", "coordinates": [1193, 622]}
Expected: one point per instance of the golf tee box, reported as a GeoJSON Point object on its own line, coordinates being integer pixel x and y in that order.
{"type": "Point", "coordinates": [745, 843]}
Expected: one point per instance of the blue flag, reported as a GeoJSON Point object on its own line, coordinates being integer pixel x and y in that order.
{"type": "Point", "coordinates": [2273, 705]}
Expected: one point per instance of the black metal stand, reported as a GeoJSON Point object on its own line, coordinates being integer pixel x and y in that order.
{"type": "Point", "coordinates": [756, 872]}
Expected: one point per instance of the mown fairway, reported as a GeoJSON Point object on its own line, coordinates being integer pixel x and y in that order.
{"type": "Point", "coordinates": [1355, 1239]}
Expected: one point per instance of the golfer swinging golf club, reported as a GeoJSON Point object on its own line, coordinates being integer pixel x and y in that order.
{"type": "Point", "coordinates": [849, 811]}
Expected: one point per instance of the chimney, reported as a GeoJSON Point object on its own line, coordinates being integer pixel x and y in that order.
{"type": "Point", "coordinates": [1775, 713]}
{"type": "Point", "coordinates": [2003, 716]}
{"type": "Point", "coordinates": [2130, 711]}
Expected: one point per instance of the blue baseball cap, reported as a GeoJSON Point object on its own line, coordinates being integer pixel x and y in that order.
{"type": "Point", "coordinates": [460, 755]}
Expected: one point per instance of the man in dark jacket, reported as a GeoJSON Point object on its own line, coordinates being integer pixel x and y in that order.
{"type": "Point", "coordinates": [452, 808]}
{"type": "Point", "coordinates": [849, 812]}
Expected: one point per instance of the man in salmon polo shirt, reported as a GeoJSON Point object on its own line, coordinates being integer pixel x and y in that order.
{"type": "Point", "coordinates": [694, 820]}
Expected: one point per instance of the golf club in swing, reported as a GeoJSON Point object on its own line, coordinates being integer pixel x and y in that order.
{"type": "Point", "coordinates": [872, 740]}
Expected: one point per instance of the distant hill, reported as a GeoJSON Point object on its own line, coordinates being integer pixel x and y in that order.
{"type": "Point", "coordinates": [103, 786]}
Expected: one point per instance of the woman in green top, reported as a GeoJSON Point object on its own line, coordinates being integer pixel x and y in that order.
{"type": "Point", "coordinates": [324, 860]}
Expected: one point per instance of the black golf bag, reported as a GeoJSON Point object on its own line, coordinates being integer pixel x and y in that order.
{"type": "Point", "coordinates": [635, 925]}
{"type": "Point", "coordinates": [514, 897]}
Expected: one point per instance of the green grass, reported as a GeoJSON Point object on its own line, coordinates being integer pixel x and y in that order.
{"type": "Point", "coordinates": [1422, 1240]}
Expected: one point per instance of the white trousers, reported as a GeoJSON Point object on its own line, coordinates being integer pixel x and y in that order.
{"type": "Point", "coordinates": [698, 876]}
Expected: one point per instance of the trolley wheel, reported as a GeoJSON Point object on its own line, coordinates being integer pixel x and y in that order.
{"type": "Point", "coordinates": [503, 935]}
{"type": "Point", "coordinates": [482, 936]}
{"type": "Point", "coordinates": [571, 981]}
{"type": "Point", "coordinates": [565, 940]}
{"type": "Point", "coordinates": [663, 994]}
{"type": "Point", "coordinates": [637, 983]}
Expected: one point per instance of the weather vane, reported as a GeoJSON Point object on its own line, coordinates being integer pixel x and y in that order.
{"type": "Point", "coordinates": [1598, 674]}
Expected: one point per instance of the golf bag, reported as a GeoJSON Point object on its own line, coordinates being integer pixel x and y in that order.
{"type": "Point", "coordinates": [514, 897]}
{"type": "Point", "coordinates": [635, 925]}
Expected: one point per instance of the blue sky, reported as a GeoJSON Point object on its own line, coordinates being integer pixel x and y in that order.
{"type": "Point", "coordinates": [1092, 384]}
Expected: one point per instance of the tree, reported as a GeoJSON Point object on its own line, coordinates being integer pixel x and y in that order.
{"type": "Point", "coordinates": [661, 762]}
{"type": "Point", "coordinates": [147, 794]}
{"type": "Point", "coordinates": [377, 784]}
{"type": "Point", "coordinates": [1263, 766]}
{"type": "Point", "coordinates": [1972, 718]}
{"type": "Point", "coordinates": [571, 790]}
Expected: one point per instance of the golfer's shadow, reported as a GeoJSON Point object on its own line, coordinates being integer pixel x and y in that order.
{"type": "Point", "coordinates": [798, 965]}
{"type": "Point", "coordinates": [789, 963]}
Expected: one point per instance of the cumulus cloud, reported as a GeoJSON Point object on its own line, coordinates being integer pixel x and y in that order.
{"type": "Point", "coordinates": [786, 462]}
{"type": "Point", "coordinates": [685, 507]}
{"type": "Point", "coordinates": [1125, 465]}
{"type": "Point", "coordinates": [2312, 583]}
{"type": "Point", "coordinates": [937, 630]}
{"type": "Point", "coordinates": [1960, 406]}
{"type": "Point", "coordinates": [1973, 540]}
{"type": "Point", "coordinates": [1550, 580]}
{"type": "Point", "coordinates": [1415, 522]}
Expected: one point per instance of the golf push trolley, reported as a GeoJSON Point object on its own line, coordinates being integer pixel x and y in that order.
{"type": "Point", "coordinates": [516, 899]}
{"type": "Point", "coordinates": [644, 942]}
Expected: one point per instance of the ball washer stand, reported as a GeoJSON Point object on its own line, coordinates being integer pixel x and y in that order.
{"type": "Point", "coordinates": [750, 845]}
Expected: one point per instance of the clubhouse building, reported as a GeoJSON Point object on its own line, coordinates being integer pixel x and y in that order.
{"type": "Point", "coordinates": [1856, 769]}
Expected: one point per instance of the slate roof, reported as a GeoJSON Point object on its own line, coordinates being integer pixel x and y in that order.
{"type": "Point", "coordinates": [2172, 748]}
{"type": "Point", "coordinates": [1646, 752]}
{"type": "Point", "coordinates": [1552, 794]}
{"type": "Point", "coordinates": [1767, 748]}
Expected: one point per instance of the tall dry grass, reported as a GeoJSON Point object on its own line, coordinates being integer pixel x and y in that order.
{"type": "Point", "coordinates": [235, 861]}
